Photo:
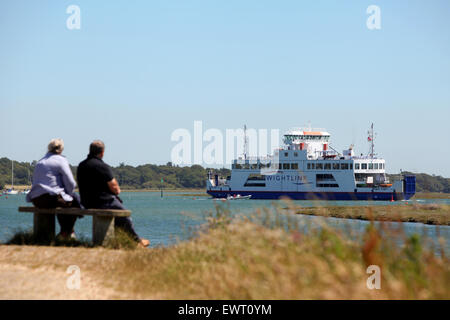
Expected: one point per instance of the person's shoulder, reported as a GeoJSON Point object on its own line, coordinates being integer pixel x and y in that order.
{"type": "Point", "coordinates": [59, 158]}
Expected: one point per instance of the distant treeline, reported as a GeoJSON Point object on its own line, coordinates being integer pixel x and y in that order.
{"type": "Point", "coordinates": [146, 176]}
{"type": "Point", "coordinates": [149, 176]}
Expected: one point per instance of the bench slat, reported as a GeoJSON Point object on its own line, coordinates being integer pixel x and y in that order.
{"type": "Point", "coordinates": [78, 211]}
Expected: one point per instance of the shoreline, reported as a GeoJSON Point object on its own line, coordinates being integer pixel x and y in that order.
{"type": "Point", "coordinates": [431, 214]}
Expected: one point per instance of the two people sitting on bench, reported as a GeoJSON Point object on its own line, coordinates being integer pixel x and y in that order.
{"type": "Point", "coordinates": [100, 190]}
{"type": "Point", "coordinates": [53, 186]}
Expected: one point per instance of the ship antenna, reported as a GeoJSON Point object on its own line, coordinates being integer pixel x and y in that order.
{"type": "Point", "coordinates": [245, 142]}
{"type": "Point", "coordinates": [371, 139]}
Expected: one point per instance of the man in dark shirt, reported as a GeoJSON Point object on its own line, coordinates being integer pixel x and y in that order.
{"type": "Point", "coordinates": [100, 190]}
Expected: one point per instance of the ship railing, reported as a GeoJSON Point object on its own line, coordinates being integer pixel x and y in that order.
{"type": "Point", "coordinates": [255, 159]}
{"type": "Point", "coordinates": [306, 129]}
{"type": "Point", "coordinates": [367, 158]}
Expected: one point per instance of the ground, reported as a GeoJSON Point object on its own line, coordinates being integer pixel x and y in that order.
{"type": "Point", "coordinates": [26, 274]}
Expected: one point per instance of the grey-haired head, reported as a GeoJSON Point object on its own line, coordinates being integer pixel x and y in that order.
{"type": "Point", "coordinates": [56, 146]}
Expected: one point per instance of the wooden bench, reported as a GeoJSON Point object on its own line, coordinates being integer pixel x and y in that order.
{"type": "Point", "coordinates": [102, 221]}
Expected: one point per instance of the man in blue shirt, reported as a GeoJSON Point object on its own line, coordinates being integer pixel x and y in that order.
{"type": "Point", "coordinates": [100, 190]}
{"type": "Point", "coordinates": [53, 186]}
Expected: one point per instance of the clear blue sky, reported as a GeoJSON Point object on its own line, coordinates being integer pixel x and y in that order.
{"type": "Point", "coordinates": [137, 70]}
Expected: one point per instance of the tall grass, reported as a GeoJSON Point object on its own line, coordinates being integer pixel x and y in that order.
{"type": "Point", "coordinates": [272, 255]}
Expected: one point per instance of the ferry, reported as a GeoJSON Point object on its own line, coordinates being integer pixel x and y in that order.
{"type": "Point", "coordinates": [308, 168]}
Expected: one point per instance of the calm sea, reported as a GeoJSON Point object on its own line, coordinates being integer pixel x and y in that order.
{"type": "Point", "coordinates": [172, 218]}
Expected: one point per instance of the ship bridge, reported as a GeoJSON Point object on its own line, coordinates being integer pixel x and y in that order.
{"type": "Point", "coordinates": [314, 140]}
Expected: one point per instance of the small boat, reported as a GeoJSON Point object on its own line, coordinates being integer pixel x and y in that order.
{"type": "Point", "coordinates": [238, 197]}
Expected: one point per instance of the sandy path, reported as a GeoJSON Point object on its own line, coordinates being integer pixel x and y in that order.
{"type": "Point", "coordinates": [29, 272]}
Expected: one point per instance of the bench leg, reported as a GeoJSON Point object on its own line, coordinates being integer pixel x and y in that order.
{"type": "Point", "coordinates": [44, 226]}
{"type": "Point", "coordinates": [102, 229]}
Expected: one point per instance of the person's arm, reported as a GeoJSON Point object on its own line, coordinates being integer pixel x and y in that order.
{"type": "Point", "coordinates": [67, 177]}
{"type": "Point", "coordinates": [114, 186]}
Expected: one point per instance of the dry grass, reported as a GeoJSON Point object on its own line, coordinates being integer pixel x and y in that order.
{"type": "Point", "coordinates": [431, 195]}
{"type": "Point", "coordinates": [434, 214]}
{"type": "Point", "coordinates": [263, 257]}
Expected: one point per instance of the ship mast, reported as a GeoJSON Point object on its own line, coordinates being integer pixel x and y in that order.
{"type": "Point", "coordinates": [371, 139]}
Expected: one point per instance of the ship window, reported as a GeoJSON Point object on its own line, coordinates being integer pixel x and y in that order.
{"type": "Point", "coordinates": [294, 166]}
{"type": "Point", "coordinates": [335, 166]}
{"type": "Point", "coordinates": [356, 166]}
{"type": "Point", "coordinates": [376, 166]}
{"type": "Point", "coordinates": [364, 166]}
{"type": "Point", "coordinates": [370, 166]}
{"type": "Point", "coordinates": [295, 154]}
{"type": "Point", "coordinates": [280, 166]}
{"type": "Point", "coordinates": [319, 166]}
{"type": "Point", "coordinates": [285, 154]}
{"type": "Point", "coordinates": [327, 166]}
{"type": "Point", "coordinates": [327, 185]}
{"type": "Point", "coordinates": [309, 166]}
{"type": "Point", "coordinates": [324, 177]}
{"type": "Point", "coordinates": [351, 166]}
{"type": "Point", "coordinates": [312, 166]}
{"type": "Point", "coordinates": [344, 166]}
{"type": "Point", "coordinates": [286, 166]}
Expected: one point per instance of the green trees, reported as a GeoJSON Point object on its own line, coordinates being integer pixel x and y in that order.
{"type": "Point", "coordinates": [21, 170]}
{"type": "Point", "coordinates": [146, 176]}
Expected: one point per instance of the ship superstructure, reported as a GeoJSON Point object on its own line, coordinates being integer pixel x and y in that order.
{"type": "Point", "coordinates": [307, 168]}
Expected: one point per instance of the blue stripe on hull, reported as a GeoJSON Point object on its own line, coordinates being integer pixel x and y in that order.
{"type": "Point", "coordinates": [381, 196]}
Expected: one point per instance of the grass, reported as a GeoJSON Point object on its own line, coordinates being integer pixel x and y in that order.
{"type": "Point", "coordinates": [431, 195]}
{"type": "Point", "coordinates": [433, 214]}
{"type": "Point", "coordinates": [270, 255]}
{"type": "Point", "coordinates": [121, 241]}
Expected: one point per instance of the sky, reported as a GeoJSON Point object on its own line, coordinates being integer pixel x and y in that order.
{"type": "Point", "coordinates": [136, 71]}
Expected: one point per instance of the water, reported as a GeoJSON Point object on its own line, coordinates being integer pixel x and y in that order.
{"type": "Point", "coordinates": [167, 220]}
